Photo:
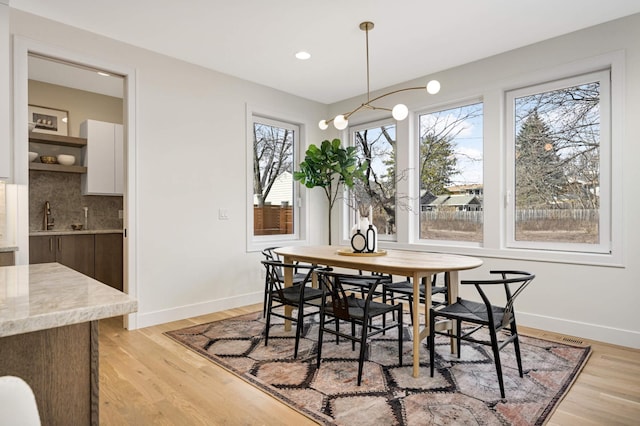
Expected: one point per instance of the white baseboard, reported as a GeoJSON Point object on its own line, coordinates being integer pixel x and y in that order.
{"type": "Point", "coordinates": [147, 319]}
{"type": "Point", "coordinates": [601, 333]}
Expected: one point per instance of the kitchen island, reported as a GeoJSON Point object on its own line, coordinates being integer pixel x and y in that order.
{"type": "Point", "coordinates": [49, 336]}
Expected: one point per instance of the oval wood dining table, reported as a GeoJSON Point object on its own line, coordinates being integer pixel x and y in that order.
{"type": "Point", "coordinates": [418, 265]}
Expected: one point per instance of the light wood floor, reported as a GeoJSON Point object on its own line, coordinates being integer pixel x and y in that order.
{"type": "Point", "coordinates": [148, 379]}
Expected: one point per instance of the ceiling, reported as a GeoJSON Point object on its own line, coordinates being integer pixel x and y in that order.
{"type": "Point", "coordinates": [256, 39]}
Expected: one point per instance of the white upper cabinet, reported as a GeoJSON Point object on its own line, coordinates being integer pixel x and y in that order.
{"type": "Point", "coordinates": [103, 158]}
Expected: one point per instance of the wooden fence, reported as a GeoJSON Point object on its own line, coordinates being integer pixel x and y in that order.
{"type": "Point", "coordinates": [522, 215]}
{"type": "Point", "coordinates": [272, 220]}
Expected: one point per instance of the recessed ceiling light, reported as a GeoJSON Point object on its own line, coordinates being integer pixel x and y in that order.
{"type": "Point", "coordinates": [104, 74]}
{"type": "Point", "coordinates": [302, 55]}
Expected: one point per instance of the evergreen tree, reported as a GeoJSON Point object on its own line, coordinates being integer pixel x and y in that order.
{"type": "Point", "coordinates": [437, 163]}
{"type": "Point", "coordinates": [539, 173]}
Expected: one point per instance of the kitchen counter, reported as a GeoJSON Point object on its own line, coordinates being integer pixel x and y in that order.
{"type": "Point", "coordinates": [7, 248]}
{"type": "Point", "coordinates": [49, 337]}
{"type": "Point", "coordinates": [49, 295]}
{"type": "Point", "coordinates": [72, 232]}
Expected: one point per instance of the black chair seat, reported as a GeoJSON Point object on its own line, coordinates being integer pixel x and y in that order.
{"type": "Point", "coordinates": [471, 311]}
{"type": "Point", "coordinates": [403, 290]}
{"type": "Point", "coordinates": [357, 306]}
{"type": "Point", "coordinates": [291, 295]}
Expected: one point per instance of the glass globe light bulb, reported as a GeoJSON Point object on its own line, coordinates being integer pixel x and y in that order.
{"type": "Point", "coordinates": [400, 112]}
{"type": "Point", "coordinates": [433, 87]}
{"type": "Point", "coordinates": [340, 122]}
{"type": "Point", "coordinates": [323, 125]}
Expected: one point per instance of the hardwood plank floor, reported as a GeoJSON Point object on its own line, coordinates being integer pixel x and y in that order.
{"type": "Point", "coordinates": [148, 379]}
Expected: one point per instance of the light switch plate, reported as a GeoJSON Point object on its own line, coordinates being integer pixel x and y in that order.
{"type": "Point", "coordinates": [223, 214]}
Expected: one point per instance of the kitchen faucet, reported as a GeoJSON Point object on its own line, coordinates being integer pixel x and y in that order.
{"type": "Point", "coordinates": [47, 220]}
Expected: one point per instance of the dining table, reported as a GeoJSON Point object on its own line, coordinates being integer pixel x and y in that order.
{"type": "Point", "coordinates": [418, 265]}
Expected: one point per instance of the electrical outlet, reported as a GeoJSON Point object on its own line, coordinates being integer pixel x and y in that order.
{"type": "Point", "coordinates": [223, 214]}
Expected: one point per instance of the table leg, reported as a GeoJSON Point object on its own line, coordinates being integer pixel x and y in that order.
{"type": "Point", "coordinates": [454, 282]}
{"type": "Point", "coordinates": [288, 282]}
{"type": "Point", "coordinates": [418, 336]}
{"type": "Point", "coordinates": [416, 325]}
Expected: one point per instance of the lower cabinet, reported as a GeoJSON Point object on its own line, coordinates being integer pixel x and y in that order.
{"type": "Point", "coordinates": [108, 259]}
{"type": "Point", "coordinates": [98, 256]}
{"type": "Point", "coordinates": [74, 251]}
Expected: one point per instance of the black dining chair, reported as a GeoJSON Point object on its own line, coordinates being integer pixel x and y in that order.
{"type": "Point", "coordinates": [485, 315]}
{"type": "Point", "coordinates": [270, 255]}
{"type": "Point", "coordinates": [298, 296]}
{"type": "Point", "coordinates": [403, 290]}
{"type": "Point", "coordinates": [341, 304]}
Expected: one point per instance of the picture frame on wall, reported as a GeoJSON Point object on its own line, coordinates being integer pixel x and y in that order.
{"type": "Point", "coordinates": [49, 120]}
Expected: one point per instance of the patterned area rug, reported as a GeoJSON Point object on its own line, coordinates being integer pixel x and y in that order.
{"type": "Point", "coordinates": [462, 391]}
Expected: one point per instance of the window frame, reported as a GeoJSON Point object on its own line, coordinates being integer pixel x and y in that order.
{"type": "Point", "coordinates": [283, 120]}
{"type": "Point", "coordinates": [348, 215]}
{"type": "Point", "coordinates": [604, 246]}
{"type": "Point", "coordinates": [415, 237]}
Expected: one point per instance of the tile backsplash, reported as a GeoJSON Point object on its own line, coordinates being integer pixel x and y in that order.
{"type": "Point", "coordinates": [62, 190]}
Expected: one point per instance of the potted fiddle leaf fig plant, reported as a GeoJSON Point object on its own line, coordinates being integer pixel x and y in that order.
{"type": "Point", "coordinates": [330, 167]}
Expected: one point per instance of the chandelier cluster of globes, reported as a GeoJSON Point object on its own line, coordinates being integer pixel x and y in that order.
{"type": "Point", "coordinates": [399, 112]}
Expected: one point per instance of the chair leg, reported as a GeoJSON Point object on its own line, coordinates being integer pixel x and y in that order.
{"type": "Point", "coordinates": [458, 339]}
{"type": "Point", "coordinates": [353, 333]}
{"type": "Point", "coordinates": [516, 346]}
{"type": "Point", "coordinates": [268, 325]}
{"type": "Point", "coordinates": [320, 333]}
{"type": "Point", "coordinates": [496, 356]}
{"type": "Point", "coordinates": [411, 308]}
{"type": "Point", "coordinates": [299, 326]}
{"type": "Point", "coordinates": [431, 341]}
{"type": "Point", "coordinates": [266, 295]}
{"type": "Point", "coordinates": [363, 348]}
{"type": "Point", "coordinates": [400, 334]}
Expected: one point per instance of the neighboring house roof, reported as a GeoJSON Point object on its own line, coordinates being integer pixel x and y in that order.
{"type": "Point", "coordinates": [454, 200]}
{"type": "Point", "coordinates": [465, 189]}
{"type": "Point", "coordinates": [282, 190]}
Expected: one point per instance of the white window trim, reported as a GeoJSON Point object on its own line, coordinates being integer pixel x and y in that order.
{"type": "Point", "coordinates": [615, 62]}
{"type": "Point", "coordinates": [346, 212]}
{"type": "Point", "coordinates": [300, 221]}
{"type": "Point", "coordinates": [445, 244]}
{"type": "Point", "coordinates": [604, 246]}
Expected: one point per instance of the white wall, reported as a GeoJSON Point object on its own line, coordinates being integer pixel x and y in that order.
{"type": "Point", "coordinates": [191, 162]}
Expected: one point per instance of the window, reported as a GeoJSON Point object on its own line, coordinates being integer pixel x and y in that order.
{"type": "Point", "coordinates": [450, 170]}
{"type": "Point", "coordinates": [376, 144]}
{"type": "Point", "coordinates": [558, 139]}
{"type": "Point", "coordinates": [273, 186]}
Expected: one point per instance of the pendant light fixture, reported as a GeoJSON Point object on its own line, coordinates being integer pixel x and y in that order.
{"type": "Point", "coordinates": [399, 112]}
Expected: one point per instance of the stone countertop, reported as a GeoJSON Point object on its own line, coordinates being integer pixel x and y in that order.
{"type": "Point", "coordinates": [50, 295]}
{"type": "Point", "coordinates": [5, 248]}
{"type": "Point", "coordinates": [72, 232]}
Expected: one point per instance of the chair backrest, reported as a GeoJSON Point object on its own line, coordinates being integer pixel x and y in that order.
{"type": "Point", "coordinates": [334, 292]}
{"type": "Point", "coordinates": [270, 254]}
{"type": "Point", "coordinates": [276, 271]}
{"type": "Point", "coordinates": [514, 282]}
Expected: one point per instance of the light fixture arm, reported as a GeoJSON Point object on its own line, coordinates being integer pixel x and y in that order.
{"type": "Point", "coordinates": [341, 121]}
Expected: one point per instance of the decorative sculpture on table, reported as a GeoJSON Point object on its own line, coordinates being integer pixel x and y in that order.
{"type": "Point", "coordinates": [364, 234]}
